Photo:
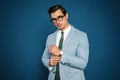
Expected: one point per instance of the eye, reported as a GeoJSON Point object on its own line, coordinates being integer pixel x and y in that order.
{"type": "Point", "coordinates": [53, 19]}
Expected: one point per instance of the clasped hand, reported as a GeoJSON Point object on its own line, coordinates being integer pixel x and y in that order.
{"type": "Point", "coordinates": [55, 51]}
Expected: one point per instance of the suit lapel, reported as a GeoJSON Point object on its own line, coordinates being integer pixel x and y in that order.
{"type": "Point", "coordinates": [69, 38]}
{"type": "Point", "coordinates": [53, 41]}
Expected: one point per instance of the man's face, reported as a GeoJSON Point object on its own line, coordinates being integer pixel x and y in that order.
{"type": "Point", "coordinates": [60, 20]}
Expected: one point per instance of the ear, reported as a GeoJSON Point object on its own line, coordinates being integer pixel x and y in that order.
{"type": "Point", "coordinates": [66, 16]}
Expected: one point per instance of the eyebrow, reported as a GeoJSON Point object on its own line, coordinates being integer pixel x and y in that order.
{"type": "Point", "coordinates": [57, 16]}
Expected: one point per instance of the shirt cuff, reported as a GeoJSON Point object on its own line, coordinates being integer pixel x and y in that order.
{"type": "Point", "coordinates": [50, 68]}
{"type": "Point", "coordinates": [61, 52]}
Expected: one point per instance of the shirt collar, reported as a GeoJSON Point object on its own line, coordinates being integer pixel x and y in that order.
{"type": "Point", "coordinates": [66, 31]}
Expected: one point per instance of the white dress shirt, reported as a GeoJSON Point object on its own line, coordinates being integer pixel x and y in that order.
{"type": "Point", "coordinates": [66, 32]}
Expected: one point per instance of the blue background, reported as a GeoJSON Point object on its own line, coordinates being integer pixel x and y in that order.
{"type": "Point", "coordinates": [25, 25]}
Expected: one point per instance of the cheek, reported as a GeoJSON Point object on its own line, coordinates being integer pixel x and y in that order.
{"type": "Point", "coordinates": [64, 22]}
{"type": "Point", "coordinates": [55, 24]}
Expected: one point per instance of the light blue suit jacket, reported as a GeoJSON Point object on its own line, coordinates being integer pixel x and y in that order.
{"type": "Point", "coordinates": [74, 58]}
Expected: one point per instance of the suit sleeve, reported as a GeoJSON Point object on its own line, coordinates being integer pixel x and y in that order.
{"type": "Point", "coordinates": [82, 52]}
{"type": "Point", "coordinates": [46, 57]}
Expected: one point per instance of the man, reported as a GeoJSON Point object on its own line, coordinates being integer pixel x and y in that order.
{"type": "Point", "coordinates": [67, 49]}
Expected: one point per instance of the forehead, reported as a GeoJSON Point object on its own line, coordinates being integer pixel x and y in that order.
{"type": "Point", "coordinates": [56, 13]}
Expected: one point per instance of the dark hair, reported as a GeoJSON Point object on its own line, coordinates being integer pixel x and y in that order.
{"type": "Point", "coordinates": [55, 8]}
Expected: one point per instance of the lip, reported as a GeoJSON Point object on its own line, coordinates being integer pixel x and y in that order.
{"type": "Point", "coordinates": [59, 26]}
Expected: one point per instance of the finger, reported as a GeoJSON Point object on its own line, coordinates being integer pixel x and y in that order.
{"type": "Point", "coordinates": [55, 62]}
{"type": "Point", "coordinates": [55, 58]}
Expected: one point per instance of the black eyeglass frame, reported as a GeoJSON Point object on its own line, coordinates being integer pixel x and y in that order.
{"type": "Point", "coordinates": [59, 18]}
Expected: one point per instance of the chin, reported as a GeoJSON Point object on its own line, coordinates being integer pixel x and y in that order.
{"type": "Point", "coordinates": [60, 27]}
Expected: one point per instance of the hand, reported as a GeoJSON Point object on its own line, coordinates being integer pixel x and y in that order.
{"type": "Point", "coordinates": [54, 50]}
{"type": "Point", "coordinates": [54, 60]}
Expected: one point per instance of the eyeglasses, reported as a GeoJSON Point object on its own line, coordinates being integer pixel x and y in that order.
{"type": "Point", "coordinates": [59, 18]}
